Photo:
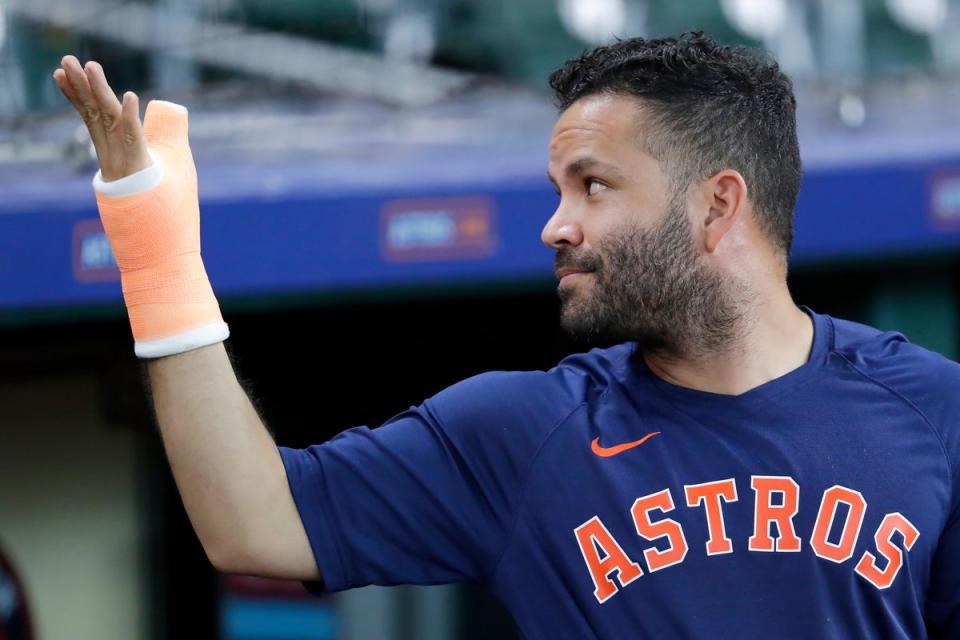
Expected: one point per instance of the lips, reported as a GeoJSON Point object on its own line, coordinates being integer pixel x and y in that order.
{"type": "Point", "coordinates": [565, 271]}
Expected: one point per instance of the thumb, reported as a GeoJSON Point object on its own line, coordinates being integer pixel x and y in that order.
{"type": "Point", "coordinates": [165, 122]}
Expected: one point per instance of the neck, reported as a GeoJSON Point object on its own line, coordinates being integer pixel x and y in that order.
{"type": "Point", "coordinates": [774, 337]}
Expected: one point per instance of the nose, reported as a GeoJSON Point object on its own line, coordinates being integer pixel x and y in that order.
{"type": "Point", "coordinates": [561, 229]}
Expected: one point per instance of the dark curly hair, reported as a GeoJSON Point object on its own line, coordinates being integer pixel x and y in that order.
{"type": "Point", "coordinates": [708, 107]}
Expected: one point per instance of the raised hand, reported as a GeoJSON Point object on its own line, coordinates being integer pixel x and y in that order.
{"type": "Point", "coordinates": [114, 127]}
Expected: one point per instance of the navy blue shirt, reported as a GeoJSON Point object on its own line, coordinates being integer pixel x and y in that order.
{"type": "Point", "coordinates": [598, 500]}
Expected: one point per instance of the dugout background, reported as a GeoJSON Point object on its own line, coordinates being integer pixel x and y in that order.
{"type": "Point", "coordinates": [88, 503]}
{"type": "Point", "coordinates": [346, 302]}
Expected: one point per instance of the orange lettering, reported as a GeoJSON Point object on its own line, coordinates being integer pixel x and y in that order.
{"type": "Point", "coordinates": [667, 528]}
{"type": "Point", "coordinates": [867, 567]}
{"type": "Point", "coordinates": [843, 550]}
{"type": "Point", "coordinates": [710, 495]}
{"type": "Point", "coordinates": [592, 534]}
{"type": "Point", "coordinates": [766, 513]}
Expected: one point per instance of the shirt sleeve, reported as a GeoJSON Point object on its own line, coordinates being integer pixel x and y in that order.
{"type": "Point", "coordinates": [429, 496]}
{"type": "Point", "coordinates": [930, 382]}
{"type": "Point", "coordinates": [937, 396]}
{"type": "Point", "coordinates": [942, 608]}
{"type": "Point", "coordinates": [942, 605]}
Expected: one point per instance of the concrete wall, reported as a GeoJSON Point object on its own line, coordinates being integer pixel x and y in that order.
{"type": "Point", "coordinates": [69, 512]}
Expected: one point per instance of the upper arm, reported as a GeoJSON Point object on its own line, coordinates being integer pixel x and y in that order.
{"type": "Point", "coordinates": [937, 397]}
{"type": "Point", "coordinates": [942, 607]}
{"type": "Point", "coordinates": [429, 496]}
{"type": "Point", "coordinates": [402, 503]}
{"type": "Point", "coordinates": [930, 383]}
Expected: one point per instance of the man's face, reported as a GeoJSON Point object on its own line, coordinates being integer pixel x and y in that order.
{"type": "Point", "coordinates": [626, 254]}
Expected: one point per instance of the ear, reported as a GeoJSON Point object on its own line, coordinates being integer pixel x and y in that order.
{"type": "Point", "coordinates": [726, 196]}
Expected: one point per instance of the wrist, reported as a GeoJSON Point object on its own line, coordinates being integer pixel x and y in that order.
{"type": "Point", "coordinates": [172, 307]}
{"type": "Point", "coordinates": [138, 182]}
{"type": "Point", "coordinates": [189, 340]}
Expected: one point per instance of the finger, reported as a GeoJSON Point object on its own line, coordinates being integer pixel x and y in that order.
{"type": "Point", "coordinates": [60, 77]}
{"type": "Point", "coordinates": [133, 137]}
{"type": "Point", "coordinates": [88, 104]}
{"type": "Point", "coordinates": [109, 108]}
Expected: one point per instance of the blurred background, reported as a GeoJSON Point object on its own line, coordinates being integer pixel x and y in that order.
{"type": "Point", "coordinates": [372, 189]}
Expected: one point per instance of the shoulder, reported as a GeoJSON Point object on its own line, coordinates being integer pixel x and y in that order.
{"type": "Point", "coordinates": [892, 359]}
{"type": "Point", "coordinates": [925, 379]}
{"type": "Point", "coordinates": [530, 401]}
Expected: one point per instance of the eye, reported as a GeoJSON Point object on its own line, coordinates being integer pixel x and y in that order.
{"type": "Point", "coordinates": [593, 186]}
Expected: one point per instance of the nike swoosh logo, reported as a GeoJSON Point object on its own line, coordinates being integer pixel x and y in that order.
{"type": "Point", "coordinates": [606, 452]}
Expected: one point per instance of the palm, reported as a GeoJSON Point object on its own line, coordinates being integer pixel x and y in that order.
{"type": "Point", "coordinates": [114, 127]}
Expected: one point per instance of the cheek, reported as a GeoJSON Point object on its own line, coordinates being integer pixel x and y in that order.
{"type": "Point", "coordinates": [603, 220]}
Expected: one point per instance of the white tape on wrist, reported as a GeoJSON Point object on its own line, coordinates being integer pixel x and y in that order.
{"type": "Point", "coordinates": [138, 182]}
{"type": "Point", "coordinates": [186, 341]}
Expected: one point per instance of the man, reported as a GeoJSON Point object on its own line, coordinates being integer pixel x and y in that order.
{"type": "Point", "coordinates": [736, 467]}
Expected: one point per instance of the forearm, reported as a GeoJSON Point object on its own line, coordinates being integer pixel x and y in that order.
{"type": "Point", "coordinates": [227, 468]}
{"type": "Point", "coordinates": [225, 463]}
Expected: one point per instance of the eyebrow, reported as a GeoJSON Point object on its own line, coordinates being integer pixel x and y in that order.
{"type": "Point", "coordinates": [583, 165]}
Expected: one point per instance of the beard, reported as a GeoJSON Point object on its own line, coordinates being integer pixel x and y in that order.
{"type": "Point", "coordinates": [650, 286]}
